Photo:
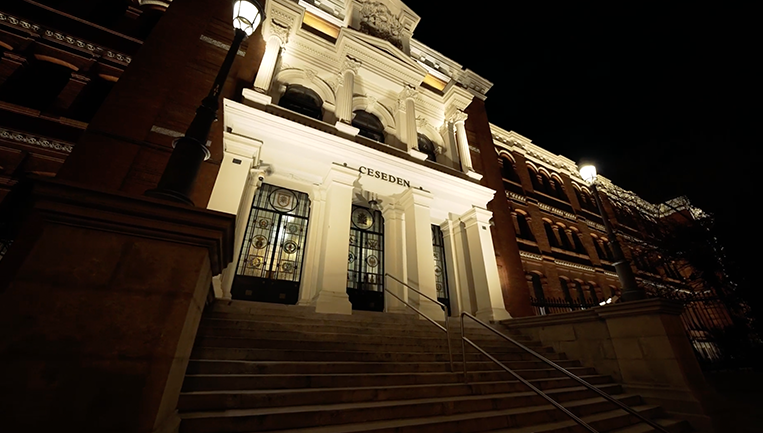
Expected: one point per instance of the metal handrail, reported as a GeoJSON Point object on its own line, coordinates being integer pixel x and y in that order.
{"type": "Point", "coordinates": [555, 366]}
{"type": "Point", "coordinates": [444, 309]}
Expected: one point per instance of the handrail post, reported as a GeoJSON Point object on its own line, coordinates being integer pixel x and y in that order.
{"type": "Point", "coordinates": [463, 346]}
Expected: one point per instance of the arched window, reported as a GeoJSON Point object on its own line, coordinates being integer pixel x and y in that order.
{"type": "Point", "coordinates": [37, 86]}
{"type": "Point", "coordinates": [578, 285]}
{"type": "Point", "coordinates": [592, 291]}
{"type": "Point", "coordinates": [91, 98]}
{"type": "Point", "coordinates": [370, 126]}
{"type": "Point", "coordinates": [426, 146]}
{"type": "Point", "coordinates": [302, 100]}
{"type": "Point", "coordinates": [550, 234]}
{"type": "Point", "coordinates": [534, 178]}
{"type": "Point", "coordinates": [566, 290]}
{"type": "Point", "coordinates": [508, 171]}
{"type": "Point", "coordinates": [546, 183]}
{"type": "Point", "coordinates": [607, 250]}
{"type": "Point", "coordinates": [579, 248]}
{"type": "Point", "coordinates": [597, 247]}
{"type": "Point", "coordinates": [558, 189]}
{"type": "Point", "coordinates": [524, 231]}
{"type": "Point", "coordinates": [563, 238]}
{"type": "Point", "coordinates": [537, 287]}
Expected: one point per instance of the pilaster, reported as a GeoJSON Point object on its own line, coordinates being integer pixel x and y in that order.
{"type": "Point", "coordinates": [332, 274]}
{"type": "Point", "coordinates": [490, 306]}
{"type": "Point", "coordinates": [395, 256]}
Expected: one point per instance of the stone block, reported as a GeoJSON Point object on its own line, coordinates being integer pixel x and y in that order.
{"type": "Point", "coordinates": [592, 330]}
{"type": "Point", "coordinates": [627, 348]}
{"type": "Point", "coordinates": [635, 371]}
{"type": "Point", "coordinates": [657, 347]}
{"type": "Point", "coordinates": [557, 333]}
{"type": "Point", "coordinates": [635, 326]}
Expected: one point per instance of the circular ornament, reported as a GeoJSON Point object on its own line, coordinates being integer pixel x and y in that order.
{"type": "Point", "coordinates": [263, 223]}
{"type": "Point", "coordinates": [292, 228]}
{"type": "Point", "coordinates": [287, 267]}
{"type": "Point", "coordinates": [351, 258]}
{"type": "Point", "coordinates": [437, 270]}
{"type": "Point", "coordinates": [283, 200]}
{"type": "Point", "coordinates": [372, 261]}
{"type": "Point", "coordinates": [290, 247]}
{"type": "Point", "coordinates": [362, 218]}
{"type": "Point", "coordinates": [259, 242]}
{"type": "Point", "coordinates": [255, 262]}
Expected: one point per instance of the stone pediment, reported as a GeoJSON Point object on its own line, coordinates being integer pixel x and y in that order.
{"type": "Point", "coordinates": [367, 48]}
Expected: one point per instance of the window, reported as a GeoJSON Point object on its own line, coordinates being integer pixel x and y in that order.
{"type": "Point", "coordinates": [597, 247]}
{"type": "Point", "coordinates": [508, 171]}
{"type": "Point", "coordinates": [566, 290]}
{"type": "Point", "coordinates": [370, 126]}
{"type": "Point", "coordinates": [579, 248]}
{"type": "Point", "coordinates": [537, 289]}
{"type": "Point", "coordinates": [303, 101]}
{"type": "Point", "coordinates": [37, 86]}
{"type": "Point", "coordinates": [550, 234]}
{"type": "Point", "coordinates": [592, 291]}
{"type": "Point", "coordinates": [534, 178]}
{"type": "Point", "coordinates": [563, 237]}
{"type": "Point", "coordinates": [91, 98]}
{"type": "Point", "coordinates": [426, 146]}
{"type": "Point", "coordinates": [558, 189]}
{"type": "Point", "coordinates": [523, 227]}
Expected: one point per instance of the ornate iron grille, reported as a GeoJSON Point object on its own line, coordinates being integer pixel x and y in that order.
{"type": "Point", "coordinates": [270, 265]}
{"type": "Point", "coordinates": [440, 271]}
{"type": "Point", "coordinates": [365, 261]}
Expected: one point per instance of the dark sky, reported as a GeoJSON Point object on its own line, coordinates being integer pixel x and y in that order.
{"type": "Point", "coordinates": [663, 99]}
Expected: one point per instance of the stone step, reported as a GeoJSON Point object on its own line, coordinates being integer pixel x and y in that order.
{"type": "Point", "coordinates": [384, 345]}
{"type": "Point", "coordinates": [250, 354]}
{"type": "Point", "coordinates": [210, 366]}
{"type": "Point", "coordinates": [214, 382]}
{"type": "Point", "coordinates": [351, 328]}
{"type": "Point", "coordinates": [671, 425]}
{"type": "Point", "coordinates": [610, 421]}
{"type": "Point", "coordinates": [333, 337]}
{"type": "Point", "coordinates": [223, 400]}
{"type": "Point", "coordinates": [500, 408]}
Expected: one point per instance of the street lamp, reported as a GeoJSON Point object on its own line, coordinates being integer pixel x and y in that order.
{"type": "Point", "coordinates": [191, 149]}
{"type": "Point", "coordinates": [631, 290]}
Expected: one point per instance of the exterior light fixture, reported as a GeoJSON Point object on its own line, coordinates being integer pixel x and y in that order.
{"type": "Point", "coordinates": [631, 290]}
{"type": "Point", "coordinates": [191, 149]}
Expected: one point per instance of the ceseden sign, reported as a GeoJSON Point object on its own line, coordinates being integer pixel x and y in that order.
{"type": "Point", "coordinates": [384, 176]}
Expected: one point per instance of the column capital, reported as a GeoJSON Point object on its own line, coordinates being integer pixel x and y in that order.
{"type": "Point", "coordinates": [409, 93]}
{"type": "Point", "coordinates": [476, 215]}
{"type": "Point", "coordinates": [273, 30]}
{"type": "Point", "coordinates": [351, 64]}
{"type": "Point", "coordinates": [340, 174]}
{"type": "Point", "coordinates": [458, 117]}
{"type": "Point", "coordinates": [413, 196]}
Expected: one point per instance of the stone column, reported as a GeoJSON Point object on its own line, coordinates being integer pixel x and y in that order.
{"type": "Point", "coordinates": [344, 95]}
{"type": "Point", "coordinates": [453, 271]}
{"type": "Point", "coordinates": [332, 272]}
{"type": "Point", "coordinates": [463, 268]}
{"type": "Point", "coordinates": [395, 257]}
{"type": "Point", "coordinates": [487, 285]}
{"type": "Point", "coordinates": [276, 38]}
{"type": "Point", "coordinates": [420, 252]}
{"type": "Point", "coordinates": [463, 145]}
{"type": "Point", "coordinates": [310, 263]}
{"type": "Point", "coordinates": [409, 133]}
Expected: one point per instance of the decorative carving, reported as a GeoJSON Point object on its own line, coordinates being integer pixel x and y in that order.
{"type": "Point", "coordinates": [377, 20]}
{"type": "Point", "coordinates": [409, 92]}
{"type": "Point", "coordinates": [35, 141]}
{"type": "Point", "coordinates": [280, 31]}
{"type": "Point", "coordinates": [351, 64]}
{"type": "Point", "coordinates": [421, 122]}
{"type": "Point", "coordinates": [459, 116]}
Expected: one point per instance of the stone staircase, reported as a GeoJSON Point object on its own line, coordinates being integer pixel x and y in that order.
{"type": "Point", "coordinates": [266, 367]}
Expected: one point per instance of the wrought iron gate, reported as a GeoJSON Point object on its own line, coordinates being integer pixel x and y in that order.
{"type": "Point", "coordinates": [440, 271]}
{"type": "Point", "coordinates": [365, 261]}
{"type": "Point", "coordinates": [270, 265]}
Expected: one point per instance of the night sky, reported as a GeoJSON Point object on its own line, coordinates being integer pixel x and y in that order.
{"type": "Point", "coordinates": [663, 100]}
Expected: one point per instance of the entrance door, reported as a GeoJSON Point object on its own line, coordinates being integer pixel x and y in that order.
{"type": "Point", "coordinates": [365, 261]}
{"type": "Point", "coordinates": [270, 265]}
{"type": "Point", "coordinates": [440, 272]}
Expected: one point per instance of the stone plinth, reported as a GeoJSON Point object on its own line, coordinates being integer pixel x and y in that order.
{"type": "Point", "coordinates": [642, 344]}
{"type": "Point", "coordinates": [100, 299]}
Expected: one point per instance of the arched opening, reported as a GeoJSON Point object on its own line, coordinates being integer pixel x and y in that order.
{"type": "Point", "coordinates": [369, 125]}
{"type": "Point", "coordinates": [37, 86]}
{"type": "Point", "coordinates": [545, 186]}
{"type": "Point", "coordinates": [579, 248]}
{"type": "Point", "coordinates": [592, 291]}
{"type": "Point", "coordinates": [87, 104]}
{"type": "Point", "coordinates": [563, 238]}
{"type": "Point", "coordinates": [303, 101]}
{"type": "Point", "coordinates": [578, 285]}
{"type": "Point", "coordinates": [534, 178]}
{"type": "Point", "coordinates": [537, 290]}
{"type": "Point", "coordinates": [558, 189]}
{"type": "Point", "coordinates": [566, 290]}
{"type": "Point", "coordinates": [427, 146]}
{"type": "Point", "coordinates": [550, 234]}
{"type": "Point", "coordinates": [508, 171]}
{"type": "Point", "coordinates": [597, 247]}
{"type": "Point", "coordinates": [523, 227]}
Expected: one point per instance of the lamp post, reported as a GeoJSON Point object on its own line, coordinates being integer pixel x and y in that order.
{"type": "Point", "coordinates": [631, 290]}
{"type": "Point", "coordinates": [191, 149]}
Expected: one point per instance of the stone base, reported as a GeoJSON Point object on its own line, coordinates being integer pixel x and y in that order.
{"type": "Point", "coordinates": [493, 314]}
{"type": "Point", "coordinates": [346, 129]}
{"type": "Point", "coordinates": [327, 302]}
{"type": "Point", "coordinates": [417, 154]}
{"type": "Point", "coordinates": [255, 98]}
